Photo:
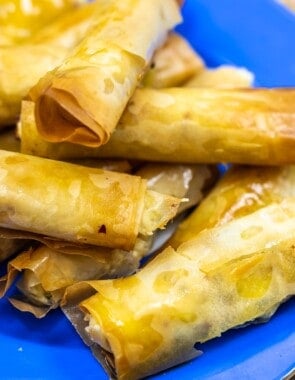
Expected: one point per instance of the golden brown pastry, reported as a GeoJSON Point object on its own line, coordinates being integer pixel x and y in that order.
{"type": "Point", "coordinates": [226, 277]}
{"type": "Point", "coordinates": [241, 191]}
{"type": "Point", "coordinates": [78, 205]}
{"type": "Point", "coordinates": [22, 65]}
{"type": "Point", "coordinates": [46, 272]}
{"type": "Point", "coordinates": [190, 125]}
{"type": "Point", "coordinates": [20, 20]}
{"type": "Point", "coordinates": [173, 64]}
{"type": "Point", "coordinates": [82, 100]}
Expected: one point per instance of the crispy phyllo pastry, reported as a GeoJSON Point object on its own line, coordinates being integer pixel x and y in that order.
{"type": "Point", "coordinates": [248, 126]}
{"type": "Point", "coordinates": [181, 181]}
{"type": "Point", "coordinates": [240, 192]}
{"type": "Point", "coordinates": [77, 204]}
{"type": "Point", "coordinates": [173, 64]}
{"type": "Point", "coordinates": [222, 77]}
{"type": "Point", "coordinates": [8, 141]}
{"type": "Point", "coordinates": [82, 100]}
{"type": "Point", "coordinates": [23, 65]}
{"type": "Point", "coordinates": [20, 20]}
{"type": "Point", "coordinates": [228, 276]}
{"type": "Point", "coordinates": [45, 272]}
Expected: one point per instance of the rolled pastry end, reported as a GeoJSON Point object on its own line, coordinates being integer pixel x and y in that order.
{"type": "Point", "coordinates": [158, 210]}
{"type": "Point", "coordinates": [66, 119]}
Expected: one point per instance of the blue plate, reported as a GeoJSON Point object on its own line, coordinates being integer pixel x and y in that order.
{"type": "Point", "coordinates": [259, 35]}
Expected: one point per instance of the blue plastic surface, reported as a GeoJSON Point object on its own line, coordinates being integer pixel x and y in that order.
{"type": "Point", "coordinates": [258, 34]}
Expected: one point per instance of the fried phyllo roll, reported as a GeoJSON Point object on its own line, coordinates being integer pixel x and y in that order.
{"type": "Point", "coordinates": [240, 192]}
{"type": "Point", "coordinates": [8, 141]}
{"type": "Point", "coordinates": [82, 100]}
{"type": "Point", "coordinates": [222, 77]}
{"type": "Point", "coordinates": [249, 126]}
{"type": "Point", "coordinates": [45, 273]}
{"type": "Point", "coordinates": [20, 20]}
{"type": "Point", "coordinates": [226, 277]}
{"type": "Point", "coordinates": [173, 64]}
{"type": "Point", "coordinates": [77, 204]}
{"type": "Point", "coordinates": [21, 66]}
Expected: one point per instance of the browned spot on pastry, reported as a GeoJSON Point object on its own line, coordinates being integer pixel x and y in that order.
{"type": "Point", "coordinates": [102, 229]}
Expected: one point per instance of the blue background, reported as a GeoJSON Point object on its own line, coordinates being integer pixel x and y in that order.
{"type": "Point", "coordinates": [259, 35]}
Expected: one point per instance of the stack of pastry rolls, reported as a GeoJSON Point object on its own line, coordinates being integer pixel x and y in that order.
{"type": "Point", "coordinates": [119, 130]}
{"type": "Point", "coordinates": [38, 192]}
